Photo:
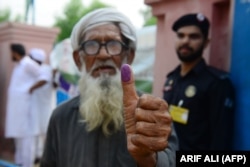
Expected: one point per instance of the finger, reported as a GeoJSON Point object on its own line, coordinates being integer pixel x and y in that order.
{"type": "Point", "coordinates": [138, 151]}
{"type": "Point", "coordinates": [152, 129]}
{"type": "Point", "coordinates": [150, 116]}
{"type": "Point", "coordinates": [129, 92]}
{"type": "Point", "coordinates": [150, 143]}
{"type": "Point", "coordinates": [152, 103]}
{"type": "Point", "coordinates": [130, 99]}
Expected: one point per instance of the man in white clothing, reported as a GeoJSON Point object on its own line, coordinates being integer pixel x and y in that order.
{"type": "Point", "coordinates": [42, 97]}
{"type": "Point", "coordinates": [19, 116]}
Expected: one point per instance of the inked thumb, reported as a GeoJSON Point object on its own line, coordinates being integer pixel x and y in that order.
{"type": "Point", "coordinates": [129, 92]}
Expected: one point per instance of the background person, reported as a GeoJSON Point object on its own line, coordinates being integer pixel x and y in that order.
{"type": "Point", "coordinates": [201, 97]}
{"type": "Point", "coordinates": [42, 98]}
{"type": "Point", "coordinates": [20, 119]}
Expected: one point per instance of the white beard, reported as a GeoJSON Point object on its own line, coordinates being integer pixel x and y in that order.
{"type": "Point", "coordinates": [101, 101]}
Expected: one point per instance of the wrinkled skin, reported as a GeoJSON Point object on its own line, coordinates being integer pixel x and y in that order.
{"type": "Point", "coordinates": [147, 122]}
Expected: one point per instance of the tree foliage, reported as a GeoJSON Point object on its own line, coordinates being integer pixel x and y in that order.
{"type": "Point", "coordinates": [149, 19]}
{"type": "Point", "coordinates": [73, 11]}
{"type": "Point", "coordinates": [4, 15]}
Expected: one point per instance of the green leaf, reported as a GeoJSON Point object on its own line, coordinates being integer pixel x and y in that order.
{"type": "Point", "coordinates": [73, 12]}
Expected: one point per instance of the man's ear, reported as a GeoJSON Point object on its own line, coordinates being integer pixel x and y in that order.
{"type": "Point", "coordinates": [131, 56]}
{"type": "Point", "coordinates": [77, 60]}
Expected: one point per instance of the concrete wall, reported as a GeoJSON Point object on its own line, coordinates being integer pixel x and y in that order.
{"type": "Point", "coordinates": [30, 36]}
{"type": "Point", "coordinates": [217, 53]}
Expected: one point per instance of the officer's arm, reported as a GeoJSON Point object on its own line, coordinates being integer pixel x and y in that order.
{"type": "Point", "coordinates": [222, 102]}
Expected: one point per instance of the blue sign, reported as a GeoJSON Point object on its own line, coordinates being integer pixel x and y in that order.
{"type": "Point", "coordinates": [240, 72]}
{"type": "Point", "coordinates": [7, 164]}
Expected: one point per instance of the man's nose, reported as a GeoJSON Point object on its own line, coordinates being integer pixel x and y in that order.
{"type": "Point", "coordinates": [103, 54]}
{"type": "Point", "coordinates": [185, 39]}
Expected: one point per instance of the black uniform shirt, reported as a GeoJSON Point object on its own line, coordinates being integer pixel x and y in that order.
{"type": "Point", "coordinates": [208, 95]}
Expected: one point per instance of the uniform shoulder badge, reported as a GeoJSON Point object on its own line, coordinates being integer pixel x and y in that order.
{"type": "Point", "coordinates": [168, 85]}
{"type": "Point", "coordinates": [218, 73]}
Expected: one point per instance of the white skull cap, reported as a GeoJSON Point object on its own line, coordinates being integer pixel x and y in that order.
{"type": "Point", "coordinates": [99, 17]}
{"type": "Point", "coordinates": [38, 54]}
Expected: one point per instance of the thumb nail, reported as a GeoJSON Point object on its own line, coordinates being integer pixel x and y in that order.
{"type": "Point", "coordinates": [126, 73]}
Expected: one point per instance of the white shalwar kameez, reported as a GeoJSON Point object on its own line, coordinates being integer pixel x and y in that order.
{"type": "Point", "coordinates": [42, 105]}
{"type": "Point", "coordinates": [20, 119]}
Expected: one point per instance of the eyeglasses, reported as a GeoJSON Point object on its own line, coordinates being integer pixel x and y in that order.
{"type": "Point", "coordinates": [112, 47]}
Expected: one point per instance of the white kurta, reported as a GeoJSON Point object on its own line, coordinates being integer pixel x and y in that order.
{"type": "Point", "coordinates": [42, 103]}
{"type": "Point", "coordinates": [19, 116]}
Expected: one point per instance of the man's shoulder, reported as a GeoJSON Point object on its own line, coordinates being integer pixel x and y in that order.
{"type": "Point", "coordinates": [221, 79]}
{"type": "Point", "coordinates": [66, 108]}
{"type": "Point", "coordinates": [217, 73]}
{"type": "Point", "coordinates": [173, 72]}
{"type": "Point", "coordinates": [27, 60]}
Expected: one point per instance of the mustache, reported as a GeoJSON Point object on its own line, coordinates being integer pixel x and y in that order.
{"type": "Point", "coordinates": [185, 47]}
{"type": "Point", "coordinates": [101, 64]}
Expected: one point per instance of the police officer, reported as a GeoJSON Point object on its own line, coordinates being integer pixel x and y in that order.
{"type": "Point", "coordinates": [201, 97]}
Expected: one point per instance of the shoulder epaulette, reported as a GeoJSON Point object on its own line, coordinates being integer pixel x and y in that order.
{"type": "Point", "coordinates": [170, 73]}
{"type": "Point", "coordinates": [220, 74]}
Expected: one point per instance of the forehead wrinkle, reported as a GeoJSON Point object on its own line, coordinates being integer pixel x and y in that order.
{"type": "Point", "coordinates": [103, 32]}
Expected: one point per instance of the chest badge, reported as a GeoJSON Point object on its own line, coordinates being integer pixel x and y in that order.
{"type": "Point", "coordinates": [168, 86]}
{"type": "Point", "coordinates": [190, 91]}
{"type": "Point", "coordinates": [170, 82]}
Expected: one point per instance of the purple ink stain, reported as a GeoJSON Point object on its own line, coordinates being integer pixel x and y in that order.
{"type": "Point", "coordinates": [126, 73]}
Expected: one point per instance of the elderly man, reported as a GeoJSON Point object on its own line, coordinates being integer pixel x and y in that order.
{"type": "Point", "coordinates": [109, 124]}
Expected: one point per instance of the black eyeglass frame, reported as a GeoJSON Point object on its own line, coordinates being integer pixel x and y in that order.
{"type": "Point", "coordinates": [123, 46]}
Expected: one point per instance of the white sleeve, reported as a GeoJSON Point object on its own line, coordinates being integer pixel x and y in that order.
{"type": "Point", "coordinates": [32, 67]}
{"type": "Point", "coordinates": [45, 73]}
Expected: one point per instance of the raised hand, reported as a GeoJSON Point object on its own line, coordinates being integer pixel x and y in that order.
{"type": "Point", "coordinates": [147, 121]}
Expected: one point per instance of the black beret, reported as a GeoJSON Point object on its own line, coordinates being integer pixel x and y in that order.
{"type": "Point", "coordinates": [196, 19]}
